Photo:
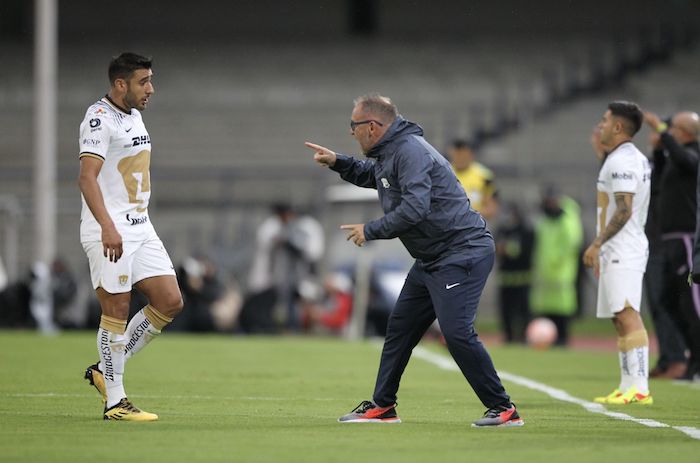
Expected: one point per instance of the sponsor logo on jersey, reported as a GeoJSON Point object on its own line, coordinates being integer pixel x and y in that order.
{"type": "Point", "coordinates": [95, 123]}
{"type": "Point", "coordinates": [142, 140]}
{"type": "Point", "coordinates": [100, 111]}
{"type": "Point", "coordinates": [137, 220]}
{"type": "Point", "coordinates": [90, 141]}
{"type": "Point", "coordinates": [622, 176]}
{"type": "Point", "coordinates": [123, 279]}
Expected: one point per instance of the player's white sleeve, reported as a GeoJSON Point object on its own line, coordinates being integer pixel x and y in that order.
{"type": "Point", "coordinates": [624, 177]}
{"type": "Point", "coordinates": [94, 136]}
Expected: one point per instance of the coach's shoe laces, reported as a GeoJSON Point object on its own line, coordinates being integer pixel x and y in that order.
{"type": "Point", "coordinates": [607, 398]}
{"type": "Point", "coordinates": [126, 411]}
{"type": "Point", "coordinates": [96, 378]}
{"type": "Point", "coordinates": [369, 412]}
{"type": "Point", "coordinates": [500, 416]}
{"type": "Point", "coordinates": [632, 396]}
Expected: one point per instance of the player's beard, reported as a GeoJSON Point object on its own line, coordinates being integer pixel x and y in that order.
{"type": "Point", "coordinates": [132, 101]}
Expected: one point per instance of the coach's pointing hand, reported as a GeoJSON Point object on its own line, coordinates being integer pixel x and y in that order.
{"type": "Point", "coordinates": [322, 155]}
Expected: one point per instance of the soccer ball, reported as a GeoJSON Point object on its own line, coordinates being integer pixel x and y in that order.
{"type": "Point", "coordinates": [541, 333]}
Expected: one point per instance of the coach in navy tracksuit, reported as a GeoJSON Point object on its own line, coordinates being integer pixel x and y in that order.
{"type": "Point", "coordinates": [427, 209]}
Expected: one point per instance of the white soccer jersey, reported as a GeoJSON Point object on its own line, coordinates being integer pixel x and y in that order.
{"type": "Point", "coordinates": [625, 170]}
{"type": "Point", "coordinates": [122, 142]}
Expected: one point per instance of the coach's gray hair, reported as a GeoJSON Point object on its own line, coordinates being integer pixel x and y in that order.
{"type": "Point", "coordinates": [378, 106]}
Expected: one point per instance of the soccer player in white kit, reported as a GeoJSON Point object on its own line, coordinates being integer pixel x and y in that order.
{"type": "Point", "coordinates": [619, 252]}
{"type": "Point", "coordinates": [121, 244]}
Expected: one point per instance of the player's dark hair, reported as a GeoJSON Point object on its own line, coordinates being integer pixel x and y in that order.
{"type": "Point", "coordinates": [630, 114]}
{"type": "Point", "coordinates": [380, 106]}
{"type": "Point", "coordinates": [124, 65]}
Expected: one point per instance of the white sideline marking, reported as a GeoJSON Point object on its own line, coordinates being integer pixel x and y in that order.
{"type": "Point", "coordinates": [446, 363]}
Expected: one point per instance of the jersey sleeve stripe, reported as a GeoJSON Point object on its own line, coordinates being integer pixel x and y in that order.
{"type": "Point", "coordinates": [91, 155]}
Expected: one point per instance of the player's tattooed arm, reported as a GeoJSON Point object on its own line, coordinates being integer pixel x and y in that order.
{"type": "Point", "coordinates": [623, 212]}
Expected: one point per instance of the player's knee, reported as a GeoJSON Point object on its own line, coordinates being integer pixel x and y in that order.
{"type": "Point", "coordinates": [116, 308]}
{"type": "Point", "coordinates": [174, 305]}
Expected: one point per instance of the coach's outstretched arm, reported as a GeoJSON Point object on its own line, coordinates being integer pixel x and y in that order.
{"type": "Point", "coordinates": [360, 173]}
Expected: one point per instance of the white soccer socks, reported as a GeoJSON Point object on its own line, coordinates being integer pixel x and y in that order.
{"type": "Point", "coordinates": [111, 344]}
{"type": "Point", "coordinates": [634, 361]}
{"type": "Point", "coordinates": [117, 342]}
{"type": "Point", "coordinates": [143, 328]}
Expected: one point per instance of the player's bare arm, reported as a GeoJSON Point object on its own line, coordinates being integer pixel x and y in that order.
{"type": "Point", "coordinates": [623, 212]}
{"type": "Point", "coordinates": [111, 239]}
{"type": "Point", "coordinates": [322, 155]}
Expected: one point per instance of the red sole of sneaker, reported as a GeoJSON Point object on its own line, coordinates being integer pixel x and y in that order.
{"type": "Point", "coordinates": [372, 420]}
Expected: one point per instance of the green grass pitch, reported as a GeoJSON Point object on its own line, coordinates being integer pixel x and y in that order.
{"type": "Point", "coordinates": [247, 399]}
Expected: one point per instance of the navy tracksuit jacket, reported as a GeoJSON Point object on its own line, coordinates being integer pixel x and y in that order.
{"type": "Point", "coordinates": [427, 209]}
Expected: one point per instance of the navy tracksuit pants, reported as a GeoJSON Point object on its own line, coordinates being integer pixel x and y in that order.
{"type": "Point", "coordinates": [451, 293]}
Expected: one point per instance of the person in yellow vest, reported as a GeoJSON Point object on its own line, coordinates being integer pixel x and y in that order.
{"type": "Point", "coordinates": [558, 239]}
{"type": "Point", "coordinates": [476, 179]}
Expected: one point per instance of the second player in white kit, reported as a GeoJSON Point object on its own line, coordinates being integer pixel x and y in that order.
{"type": "Point", "coordinates": [620, 250]}
{"type": "Point", "coordinates": [623, 258]}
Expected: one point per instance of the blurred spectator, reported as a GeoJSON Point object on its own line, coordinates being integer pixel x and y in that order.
{"type": "Point", "coordinates": [14, 305]}
{"type": "Point", "coordinates": [14, 302]}
{"type": "Point", "coordinates": [4, 281]}
{"type": "Point", "coordinates": [558, 239]}
{"type": "Point", "coordinates": [676, 161]}
{"type": "Point", "coordinates": [41, 303]}
{"type": "Point", "coordinates": [671, 362]}
{"type": "Point", "coordinates": [201, 288]}
{"type": "Point", "coordinates": [476, 179]}
{"type": "Point", "coordinates": [65, 290]}
{"type": "Point", "coordinates": [287, 252]}
{"type": "Point", "coordinates": [514, 245]}
{"type": "Point", "coordinates": [332, 313]}
{"type": "Point", "coordinates": [226, 309]}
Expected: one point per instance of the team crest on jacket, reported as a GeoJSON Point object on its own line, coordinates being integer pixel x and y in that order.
{"type": "Point", "coordinates": [385, 183]}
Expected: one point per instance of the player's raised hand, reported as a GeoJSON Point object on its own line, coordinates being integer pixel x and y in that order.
{"type": "Point", "coordinates": [322, 155]}
{"type": "Point", "coordinates": [652, 120]}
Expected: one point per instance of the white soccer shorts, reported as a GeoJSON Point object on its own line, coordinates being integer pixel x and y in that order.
{"type": "Point", "coordinates": [141, 259]}
{"type": "Point", "coordinates": [618, 288]}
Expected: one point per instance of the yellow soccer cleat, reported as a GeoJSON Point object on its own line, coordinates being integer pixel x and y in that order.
{"type": "Point", "coordinates": [632, 396]}
{"type": "Point", "coordinates": [606, 399]}
{"type": "Point", "coordinates": [125, 411]}
{"type": "Point", "coordinates": [94, 375]}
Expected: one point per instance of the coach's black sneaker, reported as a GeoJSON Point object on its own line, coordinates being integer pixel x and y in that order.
{"type": "Point", "coordinates": [500, 416]}
{"type": "Point", "coordinates": [95, 377]}
{"type": "Point", "coordinates": [369, 412]}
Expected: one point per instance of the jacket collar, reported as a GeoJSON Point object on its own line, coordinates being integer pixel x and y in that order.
{"type": "Point", "coordinates": [399, 128]}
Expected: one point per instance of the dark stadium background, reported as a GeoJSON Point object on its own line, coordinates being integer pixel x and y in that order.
{"type": "Point", "coordinates": [241, 85]}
